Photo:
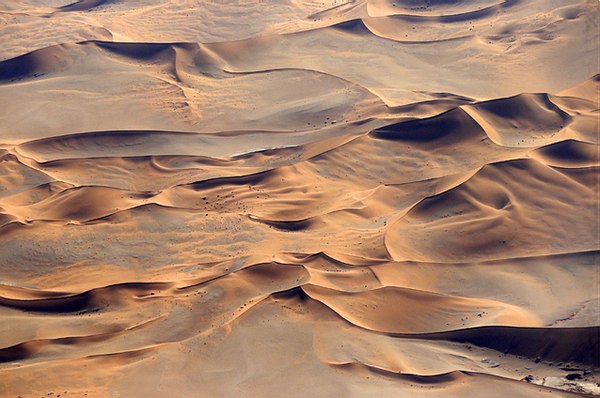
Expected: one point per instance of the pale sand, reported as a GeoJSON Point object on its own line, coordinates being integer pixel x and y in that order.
{"type": "Point", "coordinates": [388, 198]}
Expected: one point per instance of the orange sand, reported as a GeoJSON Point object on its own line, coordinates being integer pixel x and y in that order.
{"type": "Point", "coordinates": [372, 198]}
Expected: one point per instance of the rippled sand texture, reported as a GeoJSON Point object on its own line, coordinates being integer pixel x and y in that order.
{"type": "Point", "coordinates": [378, 198]}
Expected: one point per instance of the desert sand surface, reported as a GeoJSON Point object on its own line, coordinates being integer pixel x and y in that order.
{"type": "Point", "coordinates": [299, 198]}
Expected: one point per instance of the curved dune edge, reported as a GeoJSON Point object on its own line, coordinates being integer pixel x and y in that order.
{"type": "Point", "coordinates": [397, 310]}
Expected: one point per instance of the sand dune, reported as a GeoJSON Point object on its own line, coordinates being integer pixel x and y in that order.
{"type": "Point", "coordinates": [390, 198]}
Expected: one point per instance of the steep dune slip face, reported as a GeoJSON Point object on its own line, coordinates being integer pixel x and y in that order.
{"type": "Point", "coordinates": [389, 198]}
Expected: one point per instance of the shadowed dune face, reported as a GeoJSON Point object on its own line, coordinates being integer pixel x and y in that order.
{"type": "Point", "coordinates": [390, 198]}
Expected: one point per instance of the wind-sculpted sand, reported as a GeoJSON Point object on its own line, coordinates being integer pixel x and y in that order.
{"type": "Point", "coordinates": [390, 198]}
